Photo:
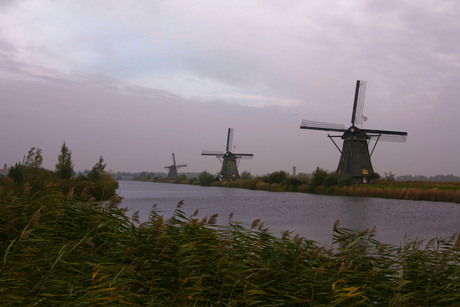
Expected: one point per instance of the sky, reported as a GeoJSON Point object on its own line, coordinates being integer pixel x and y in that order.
{"type": "Point", "coordinates": [134, 81]}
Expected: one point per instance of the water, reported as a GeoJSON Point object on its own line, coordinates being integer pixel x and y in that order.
{"type": "Point", "coordinates": [312, 216]}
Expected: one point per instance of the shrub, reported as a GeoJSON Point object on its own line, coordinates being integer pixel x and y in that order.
{"type": "Point", "coordinates": [105, 187]}
{"type": "Point", "coordinates": [331, 180]}
{"type": "Point", "coordinates": [246, 175]}
{"type": "Point", "coordinates": [291, 184]}
{"type": "Point", "coordinates": [252, 183]}
{"type": "Point", "coordinates": [318, 178]}
{"type": "Point", "coordinates": [205, 178]}
{"type": "Point", "coordinates": [276, 177]}
{"type": "Point", "coordinates": [345, 181]}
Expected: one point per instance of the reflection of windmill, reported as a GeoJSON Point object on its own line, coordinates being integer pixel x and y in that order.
{"type": "Point", "coordinates": [174, 167]}
{"type": "Point", "coordinates": [355, 159]}
{"type": "Point", "coordinates": [230, 160]}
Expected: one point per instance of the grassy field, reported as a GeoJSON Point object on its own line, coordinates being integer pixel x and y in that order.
{"type": "Point", "coordinates": [55, 250]}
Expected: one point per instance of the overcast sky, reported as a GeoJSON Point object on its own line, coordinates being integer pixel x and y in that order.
{"type": "Point", "coordinates": [134, 81]}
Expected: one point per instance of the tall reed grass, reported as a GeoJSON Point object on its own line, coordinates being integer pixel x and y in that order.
{"type": "Point", "coordinates": [433, 194]}
{"type": "Point", "coordinates": [57, 251]}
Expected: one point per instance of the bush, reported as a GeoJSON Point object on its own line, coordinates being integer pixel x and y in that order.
{"type": "Point", "coordinates": [331, 180]}
{"type": "Point", "coordinates": [105, 187]}
{"type": "Point", "coordinates": [205, 178]}
{"type": "Point", "coordinates": [252, 183]}
{"type": "Point", "coordinates": [246, 175]}
{"type": "Point", "coordinates": [318, 178]}
{"type": "Point", "coordinates": [291, 185]}
{"type": "Point", "coordinates": [276, 177]}
{"type": "Point", "coordinates": [345, 181]}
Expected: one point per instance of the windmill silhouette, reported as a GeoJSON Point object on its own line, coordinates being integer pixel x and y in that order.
{"type": "Point", "coordinates": [174, 167]}
{"type": "Point", "coordinates": [355, 159]}
{"type": "Point", "coordinates": [229, 160]}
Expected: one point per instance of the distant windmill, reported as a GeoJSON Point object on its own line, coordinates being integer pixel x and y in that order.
{"type": "Point", "coordinates": [355, 159]}
{"type": "Point", "coordinates": [174, 167]}
{"type": "Point", "coordinates": [229, 160]}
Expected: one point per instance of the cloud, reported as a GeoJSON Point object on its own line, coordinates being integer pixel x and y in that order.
{"type": "Point", "coordinates": [118, 79]}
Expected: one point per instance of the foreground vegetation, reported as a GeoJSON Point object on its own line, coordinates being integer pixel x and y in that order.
{"type": "Point", "coordinates": [56, 250]}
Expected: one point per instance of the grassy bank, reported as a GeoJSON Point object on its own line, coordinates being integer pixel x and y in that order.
{"type": "Point", "coordinates": [430, 191]}
{"type": "Point", "coordinates": [55, 250]}
{"type": "Point", "coordinates": [322, 182]}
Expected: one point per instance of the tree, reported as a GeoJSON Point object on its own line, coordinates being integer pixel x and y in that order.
{"type": "Point", "coordinates": [16, 173]}
{"type": "Point", "coordinates": [205, 178]}
{"type": "Point", "coordinates": [97, 170]}
{"type": "Point", "coordinates": [34, 158]}
{"type": "Point", "coordinates": [276, 177]}
{"type": "Point", "coordinates": [64, 167]}
{"type": "Point", "coordinates": [246, 175]}
{"type": "Point", "coordinates": [390, 176]}
{"type": "Point", "coordinates": [317, 179]}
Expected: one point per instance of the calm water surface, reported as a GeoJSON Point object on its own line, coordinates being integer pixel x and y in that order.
{"type": "Point", "coordinates": [312, 216]}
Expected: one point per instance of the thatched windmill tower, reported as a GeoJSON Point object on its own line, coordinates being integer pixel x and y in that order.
{"type": "Point", "coordinates": [229, 160]}
{"type": "Point", "coordinates": [355, 159]}
{"type": "Point", "coordinates": [174, 167]}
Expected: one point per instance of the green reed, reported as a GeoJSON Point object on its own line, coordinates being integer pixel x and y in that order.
{"type": "Point", "coordinates": [58, 251]}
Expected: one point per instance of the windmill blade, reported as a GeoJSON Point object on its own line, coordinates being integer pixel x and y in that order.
{"type": "Point", "coordinates": [393, 138]}
{"type": "Point", "coordinates": [174, 159]}
{"type": "Point", "coordinates": [229, 140]}
{"type": "Point", "coordinates": [167, 167]}
{"type": "Point", "coordinates": [181, 165]}
{"type": "Point", "coordinates": [387, 135]}
{"type": "Point", "coordinates": [244, 156]}
{"type": "Point", "coordinates": [358, 105]}
{"type": "Point", "coordinates": [314, 125]}
{"type": "Point", "coordinates": [219, 154]}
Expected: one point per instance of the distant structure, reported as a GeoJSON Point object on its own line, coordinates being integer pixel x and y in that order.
{"type": "Point", "coordinates": [293, 171]}
{"type": "Point", "coordinates": [4, 171]}
{"type": "Point", "coordinates": [173, 168]}
{"type": "Point", "coordinates": [355, 159]}
{"type": "Point", "coordinates": [229, 160]}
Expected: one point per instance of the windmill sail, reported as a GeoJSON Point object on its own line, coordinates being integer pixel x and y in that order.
{"type": "Point", "coordinates": [213, 153]}
{"type": "Point", "coordinates": [229, 139]}
{"type": "Point", "coordinates": [358, 105]}
{"type": "Point", "coordinates": [387, 135]}
{"type": "Point", "coordinates": [314, 125]}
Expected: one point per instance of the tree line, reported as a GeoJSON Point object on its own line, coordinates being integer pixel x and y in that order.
{"type": "Point", "coordinates": [30, 176]}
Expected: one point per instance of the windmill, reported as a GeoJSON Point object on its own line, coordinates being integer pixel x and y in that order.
{"type": "Point", "coordinates": [355, 159]}
{"type": "Point", "coordinates": [174, 167]}
{"type": "Point", "coordinates": [229, 160]}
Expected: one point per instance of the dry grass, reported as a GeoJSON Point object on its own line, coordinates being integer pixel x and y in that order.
{"type": "Point", "coordinates": [433, 194]}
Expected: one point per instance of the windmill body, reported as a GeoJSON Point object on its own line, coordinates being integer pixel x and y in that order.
{"type": "Point", "coordinates": [355, 158]}
{"type": "Point", "coordinates": [230, 166]}
{"type": "Point", "coordinates": [229, 160]}
{"type": "Point", "coordinates": [172, 173]}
